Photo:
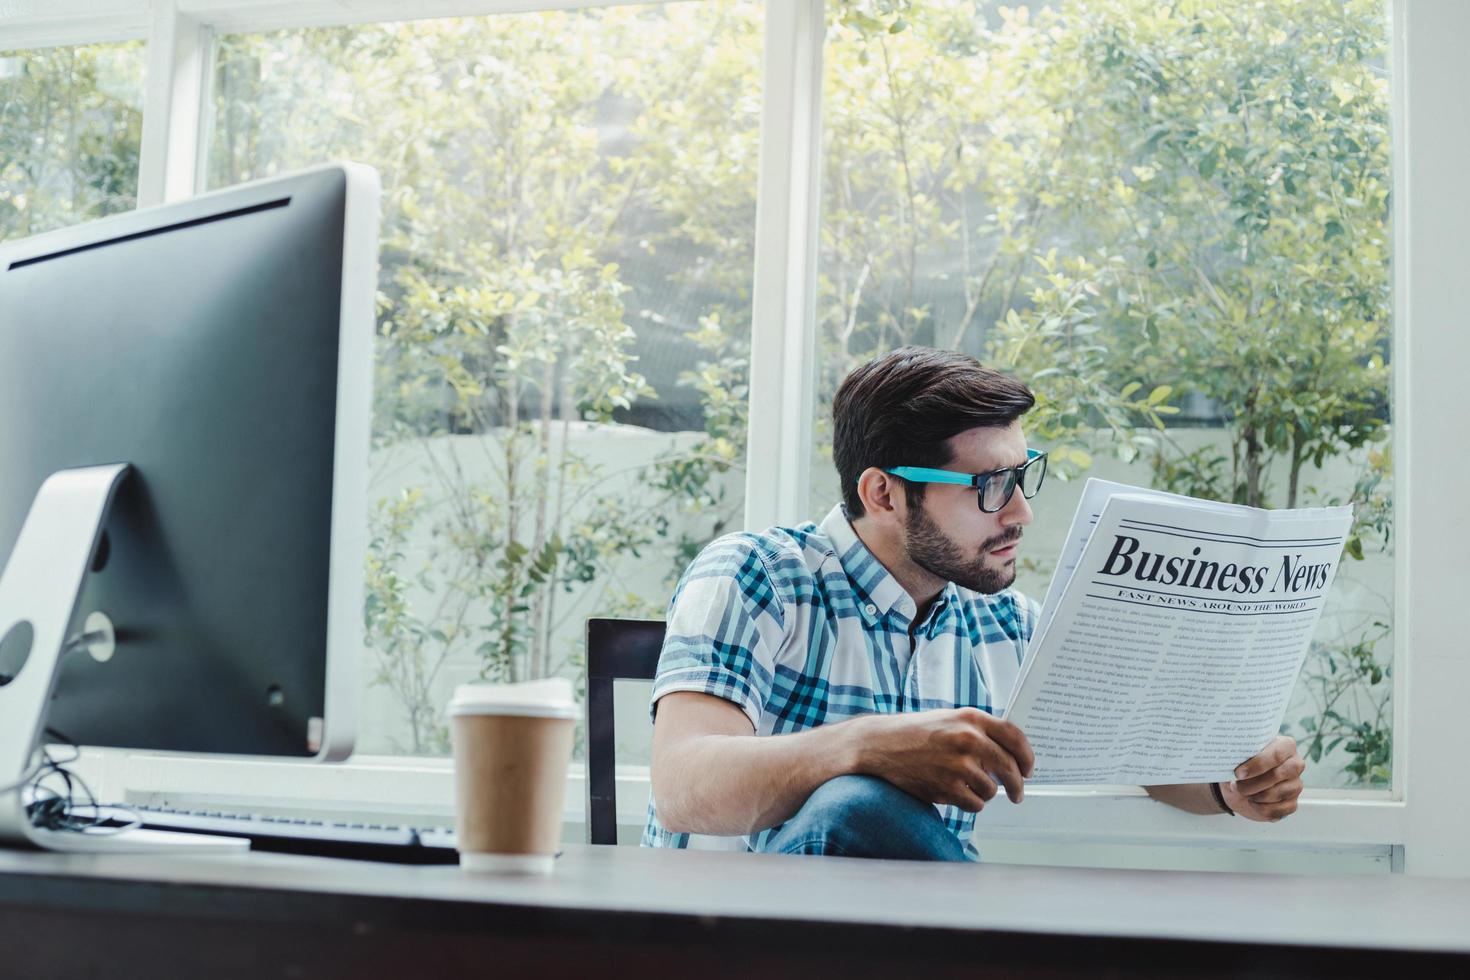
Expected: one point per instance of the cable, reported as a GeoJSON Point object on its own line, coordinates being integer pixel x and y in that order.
{"type": "Point", "coordinates": [59, 793]}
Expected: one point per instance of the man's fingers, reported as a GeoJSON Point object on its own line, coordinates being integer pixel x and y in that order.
{"type": "Point", "coordinates": [1014, 741]}
{"type": "Point", "coordinates": [1288, 790]}
{"type": "Point", "coordinates": [1275, 811]}
{"type": "Point", "coordinates": [1278, 751]}
{"type": "Point", "coordinates": [981, 784]}
{"type": "Point", "coordinates": [1290, 769]}
{"type": "Point", "coordinates": [966, 798]}
{"type": "Point", "coordinates": [999, 763]}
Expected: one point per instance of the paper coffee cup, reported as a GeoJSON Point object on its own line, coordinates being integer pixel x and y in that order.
{"type": "Point", "coordinates": [512, 743]}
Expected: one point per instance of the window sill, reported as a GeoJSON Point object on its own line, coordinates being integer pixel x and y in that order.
{"type": "Point", "coordinates": [422, 789]}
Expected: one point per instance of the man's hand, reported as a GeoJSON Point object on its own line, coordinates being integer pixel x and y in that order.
{"type": "Point", "coordinates": [947, 755]}
{"type": "Point", "coordinates": [1267, 786]}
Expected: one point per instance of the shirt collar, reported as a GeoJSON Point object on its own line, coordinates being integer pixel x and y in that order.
{"type": "Point", "coordinates": [878, 592]}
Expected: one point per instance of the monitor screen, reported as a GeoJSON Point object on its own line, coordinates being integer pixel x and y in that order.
{"type": "Point", "coordinates": [222, 347]}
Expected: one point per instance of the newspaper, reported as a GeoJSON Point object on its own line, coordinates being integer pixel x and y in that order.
{"type": "Point", "coordinates": [1171, 636]}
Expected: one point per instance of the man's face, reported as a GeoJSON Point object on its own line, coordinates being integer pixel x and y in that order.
{"type": "Point", "coordinates": [950, 537]}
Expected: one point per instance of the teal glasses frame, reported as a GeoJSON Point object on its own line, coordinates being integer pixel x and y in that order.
{"type": "Point", "coordinates": [1028, 476]}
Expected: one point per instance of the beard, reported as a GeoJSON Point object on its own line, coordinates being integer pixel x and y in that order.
{"type": "Point", "coordinates": [936, 553]}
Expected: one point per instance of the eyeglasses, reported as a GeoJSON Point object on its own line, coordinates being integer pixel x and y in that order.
{"type": "Point", "coordinates": [996, 487]}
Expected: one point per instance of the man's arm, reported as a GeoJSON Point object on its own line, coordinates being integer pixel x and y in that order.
{"type": "Point", "coordinates": [1266, 787]}
{"type": "Point", "coordinates": [1190, 797]}
{"type": "Point", "coordinates": [712, 774]}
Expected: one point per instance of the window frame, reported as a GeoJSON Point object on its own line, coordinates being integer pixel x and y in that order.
{"type": "Point", "coordinates": [1418, 818]}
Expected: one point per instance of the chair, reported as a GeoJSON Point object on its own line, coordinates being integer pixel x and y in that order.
{"type": "Point", "coordinates": [617, 649]}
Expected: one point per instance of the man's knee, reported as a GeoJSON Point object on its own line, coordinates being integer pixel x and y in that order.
{"type": "Point", "coordinates": [854, 790]}
{"type": "Point", "coordinates": [868, 799]}
{"type": "Point", "coordinates": [863, 816]}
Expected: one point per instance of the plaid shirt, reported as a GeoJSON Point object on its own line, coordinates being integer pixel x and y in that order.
{"type": "Point", "coordinates": [803, 626]}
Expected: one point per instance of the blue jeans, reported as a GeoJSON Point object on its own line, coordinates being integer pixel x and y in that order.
{"type": "Point", "coordinates": [864, 816]}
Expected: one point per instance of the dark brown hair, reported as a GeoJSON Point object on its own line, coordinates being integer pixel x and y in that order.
{"type": "Point", "coordinates": [899, 410]}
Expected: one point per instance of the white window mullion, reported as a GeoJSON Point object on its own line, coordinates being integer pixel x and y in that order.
{"type": "Point", "coordinates": [1400, 400]}
{"type": "Point", "coordinates": [174, 98]}
{"type": "Point", "coordinates": [783, 315]}
{"type": "Point", "coordinates": [1431, 213]}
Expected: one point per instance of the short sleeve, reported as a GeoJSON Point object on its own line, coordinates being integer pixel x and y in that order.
{"type": "Point", "coordinates": [726, 625]}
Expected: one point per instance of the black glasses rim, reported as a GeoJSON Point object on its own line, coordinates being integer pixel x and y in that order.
{"type": "Point", "coordinates": [1015, 476]}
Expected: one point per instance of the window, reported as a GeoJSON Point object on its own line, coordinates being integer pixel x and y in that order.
{"type": "Point", "coordinates": [1173, 222]}
{"type": "Point", "coordinates": [70, 122]}
{"type": "Point", "coordinates": [1429, 204]}
{"type": "Point", "coordinates": [569, 208]}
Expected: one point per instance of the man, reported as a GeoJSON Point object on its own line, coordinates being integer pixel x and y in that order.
{"type": "Point", "coordinates": [828, 689]}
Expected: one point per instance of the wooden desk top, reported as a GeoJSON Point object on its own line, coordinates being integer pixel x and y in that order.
{"type": "Point", "coordinates": [735, 907]}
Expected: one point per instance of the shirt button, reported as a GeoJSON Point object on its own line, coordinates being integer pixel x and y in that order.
{"type": "Point", "coordinates": [870, 609]}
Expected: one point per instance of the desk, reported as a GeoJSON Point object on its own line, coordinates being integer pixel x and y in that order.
{"type": "Point", "coordinates": [615, 912]}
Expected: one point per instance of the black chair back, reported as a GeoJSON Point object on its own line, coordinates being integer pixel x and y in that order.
{"type": "Point", "coordinates": [617, 649]}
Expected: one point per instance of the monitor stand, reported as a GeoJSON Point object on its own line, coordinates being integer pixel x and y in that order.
{"type": "Point", "coordinates": [39, 590]}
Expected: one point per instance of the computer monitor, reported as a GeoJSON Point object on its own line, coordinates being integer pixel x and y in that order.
{"type": "Point", "coordinates": [196, 378]}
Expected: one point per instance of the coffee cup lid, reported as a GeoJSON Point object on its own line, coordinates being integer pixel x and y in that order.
{"type": "Point", "coordinates": [549, 698]}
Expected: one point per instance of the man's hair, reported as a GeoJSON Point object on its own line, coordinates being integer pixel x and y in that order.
{"type": "Point", "coordinates": [899, 410]}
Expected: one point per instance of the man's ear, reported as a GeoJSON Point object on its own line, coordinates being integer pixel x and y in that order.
{"type": "Point", "coordinates": [882, 494]}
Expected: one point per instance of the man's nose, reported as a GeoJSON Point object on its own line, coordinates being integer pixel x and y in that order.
{"type": "Point", "coordinates": [1017, 510]}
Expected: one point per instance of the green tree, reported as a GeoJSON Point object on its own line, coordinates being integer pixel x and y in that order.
{"type": "Point", "coordinates": [1134, 206]}
{"type": "Point", "coordinates": [70, 124]}
{"type": "Point", "coordinates": [1239, 192]}
{"type": "Point", "coordinates": [1241, 188]}
{"type": "Point", "coordinates": [506, 331]}
{"type": "Point", "coordinates": [940, 207]}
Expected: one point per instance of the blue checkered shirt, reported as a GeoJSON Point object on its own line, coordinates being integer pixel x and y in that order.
{"type": "Point", "coordinates": [803, 626]}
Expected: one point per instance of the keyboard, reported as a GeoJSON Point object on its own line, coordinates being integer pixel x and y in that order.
{"type": "Point", "coordinates": [295, 835]}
